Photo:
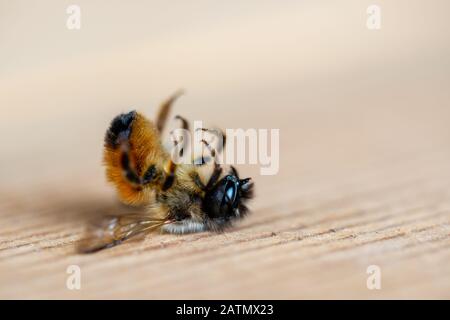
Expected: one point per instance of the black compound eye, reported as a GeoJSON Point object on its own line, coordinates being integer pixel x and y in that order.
{"type": "Point", "coordinates": [221, 201]}
{"type": "Point", "coordinates": [230, 193]}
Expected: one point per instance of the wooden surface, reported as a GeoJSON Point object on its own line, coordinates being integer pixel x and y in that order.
{"type": "Point", "coordinates": [364, 159]}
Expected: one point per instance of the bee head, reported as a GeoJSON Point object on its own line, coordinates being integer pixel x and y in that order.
{"type": "Point", "coordinates": [226, 200]}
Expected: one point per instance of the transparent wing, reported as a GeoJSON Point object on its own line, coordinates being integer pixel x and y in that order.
{"type": "Point", "coordinates": [112, 230]}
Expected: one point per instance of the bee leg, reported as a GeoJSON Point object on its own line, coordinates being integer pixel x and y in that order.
{"type": "Point", "coordinates": [164, 110]}
{"type": "Point", "coordinates": [170, 175]}
{"type": "Point", "coordinates": [184, 122]}
{"type": "Point", "coordinates": [220, 135]}
{"type": "Point", "coordinates": [184, 137]}
{"type": "Point", "coordinates": [234, 171]}
{"type": "Point", "coordinates": [201, 161]}
{"type": "Point", "coordinates": [214, 177]}
{"type": "Point", "coordinates": [196, 178]}
{"type": "Point", "coordinates": [211, 150]}
{"type": "Point", "coordinates": [177, 142]}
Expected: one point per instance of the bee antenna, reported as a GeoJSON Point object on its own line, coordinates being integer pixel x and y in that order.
{"type": "Point", "coordinates": [243, 182]}
{"type": "Point", "coordinates": [165, 108]}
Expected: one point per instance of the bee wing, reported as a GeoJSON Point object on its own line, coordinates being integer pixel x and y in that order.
{"type": "Point", "coordinates": [113, 230]}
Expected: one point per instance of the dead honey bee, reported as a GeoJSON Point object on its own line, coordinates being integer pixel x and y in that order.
{"type": "Point", "coordinates": [178, 198]}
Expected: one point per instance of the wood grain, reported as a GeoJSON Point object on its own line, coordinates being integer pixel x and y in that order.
{"type": "Point", "coordinates": [364, 173]}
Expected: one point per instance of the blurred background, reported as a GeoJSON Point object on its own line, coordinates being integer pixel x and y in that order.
{"type": "Point", "coordinates": [356, 108]}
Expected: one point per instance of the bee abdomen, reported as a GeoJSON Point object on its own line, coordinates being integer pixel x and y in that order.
{"type": "Point", "coordinates": [119, 129]}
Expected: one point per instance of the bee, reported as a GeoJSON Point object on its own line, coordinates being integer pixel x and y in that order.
{"type": "Point", "coordinates": [177, 198]}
